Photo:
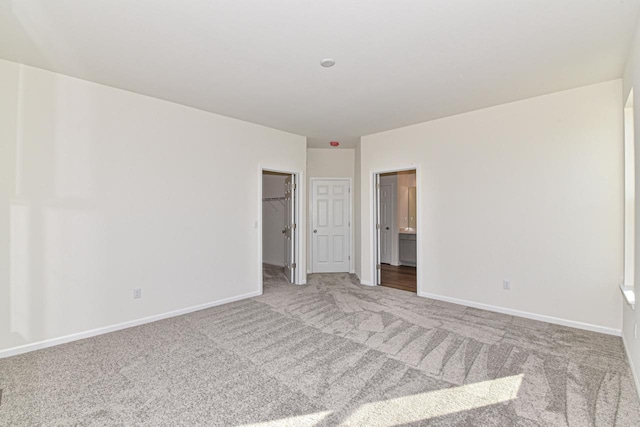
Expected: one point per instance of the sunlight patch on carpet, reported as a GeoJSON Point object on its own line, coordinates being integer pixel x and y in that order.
{"type": "Point", "coordinates": [436, 403]}
{"type": "Point", "coordinates": [297, 421]}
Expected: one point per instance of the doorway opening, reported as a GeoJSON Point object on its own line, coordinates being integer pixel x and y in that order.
{"type": "Point", "coordinates": [396, 230]}
{"type": "Point", "coordinates": [279, 227]}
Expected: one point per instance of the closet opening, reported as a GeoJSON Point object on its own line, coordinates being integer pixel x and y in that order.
{"type": "Point", "coordinates": [280, 240]}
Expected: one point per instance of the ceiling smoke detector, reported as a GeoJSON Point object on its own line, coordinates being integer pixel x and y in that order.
{"type": "Point", "coordinates": [327, 62]}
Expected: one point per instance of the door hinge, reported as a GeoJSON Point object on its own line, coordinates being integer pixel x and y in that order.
{"type": "Point", "coordinates": [378, 267]}
{"type": "Point", "coordinates": [294, 265]}
{"type": "Point", "coordinates": [377, 226]}
{"type": "Point", "coordinates": [293, 226]}
{"type": "Point", "coordinates": [293, 186]}
{"type": "Point", "coordinates": [378, 186]}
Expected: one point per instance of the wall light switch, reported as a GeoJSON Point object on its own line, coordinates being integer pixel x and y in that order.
{"type": "Point", "coordinates": [506, 285]}
{"type": "Point", "coordinates": [137, 293]}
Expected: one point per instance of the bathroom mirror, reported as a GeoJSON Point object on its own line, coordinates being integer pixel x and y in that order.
{"type": "Point", "coordinates": [412, 207]}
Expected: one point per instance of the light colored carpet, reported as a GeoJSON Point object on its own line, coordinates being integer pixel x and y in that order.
{"type": "Point", "coordinates": [328, 353]}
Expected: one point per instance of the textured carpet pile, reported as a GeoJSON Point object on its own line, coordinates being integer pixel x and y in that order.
{"type": "Point", "coordinates": [328, 353]}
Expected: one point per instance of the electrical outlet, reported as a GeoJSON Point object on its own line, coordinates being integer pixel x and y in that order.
{"type": "Point", "coordinates": [137, 293]}
{"type": "Point", "coordinates": [506, 285]}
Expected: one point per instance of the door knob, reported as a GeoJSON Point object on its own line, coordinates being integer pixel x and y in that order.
{"type": "Point", "coordinates": [315, 231]}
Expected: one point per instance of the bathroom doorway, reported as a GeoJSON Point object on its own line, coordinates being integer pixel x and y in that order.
{"type": "Point", "coordinates": [396, 230]}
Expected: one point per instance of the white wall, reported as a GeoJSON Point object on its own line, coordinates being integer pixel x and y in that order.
{"type": "Point", "coordinates": [529, 191]}
{"type": "Point", "coordinates": [8, 118]}
{"type": "Point", "coordinates": [114, 191]}
{"type": "Point", "coordinates": [630, 317]}
{"type": "Point", "coordinates": [328, 163]}
{"type": "Point", "coordinates": [273, 216]}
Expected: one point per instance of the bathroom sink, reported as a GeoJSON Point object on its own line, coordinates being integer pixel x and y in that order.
{"type": "Point", "coordinates": [408, 230]}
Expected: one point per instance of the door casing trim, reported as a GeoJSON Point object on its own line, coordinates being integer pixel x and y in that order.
{"type": "Point", "coordinates": [300, 254]}
{"type": "Point", "coordinates": [372, 222]}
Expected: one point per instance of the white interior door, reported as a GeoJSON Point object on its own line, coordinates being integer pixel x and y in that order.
{"type": "Point", "coordinates": [290, 228]}
{"type": "Point", "coordinates": [378, 272]}
{"type": "Point", "coordinates": [331, 230]}
{"type": "Point", "coordinates": [386, 221]}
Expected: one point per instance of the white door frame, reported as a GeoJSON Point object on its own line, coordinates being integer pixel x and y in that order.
{"type": "Point", "coordinates": [300, 276]}
{"type": "Point", "coordinates": [373, 256]}
{"type": "Point", "coordinates": [351, 227]}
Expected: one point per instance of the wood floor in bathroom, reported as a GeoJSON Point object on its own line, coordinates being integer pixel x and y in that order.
{"type": "Point", "coordinates": [399, 277]}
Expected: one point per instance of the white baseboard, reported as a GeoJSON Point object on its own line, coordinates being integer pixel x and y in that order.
{"type": "Point", "coordinates": [525, 314]}
{"type": "Point", "coordinates": [362, 282]}
{"type": "Point", "coordinates": [13, 351]}
{"type": "Point", "coordinates": [633, 369]}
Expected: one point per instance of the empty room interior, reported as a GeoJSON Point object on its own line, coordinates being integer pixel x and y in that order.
{"type": "Point", "coordinates": [355, 213]}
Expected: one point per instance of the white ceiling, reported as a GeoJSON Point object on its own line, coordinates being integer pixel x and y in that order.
{"type": "Point", "coordinates": [398, 62]}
